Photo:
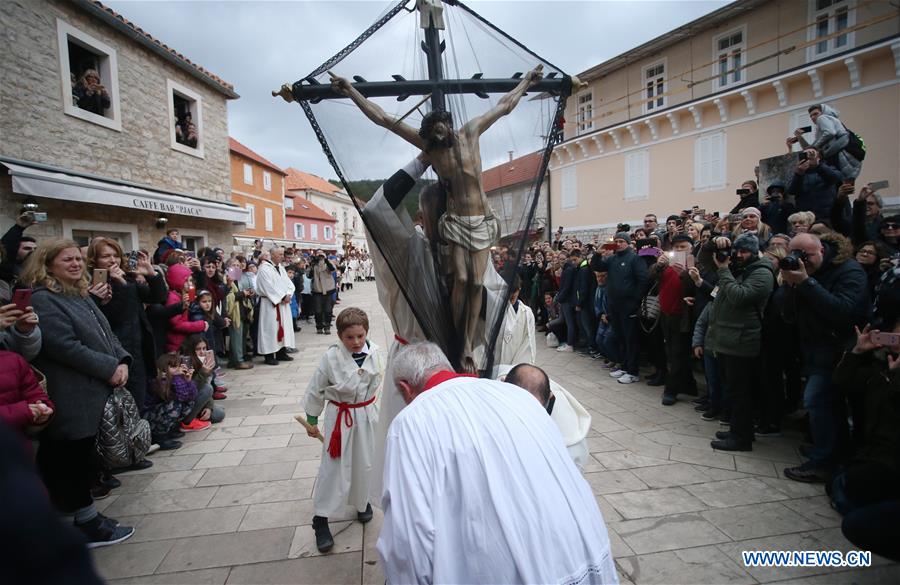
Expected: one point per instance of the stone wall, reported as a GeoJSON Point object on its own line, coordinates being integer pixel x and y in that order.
{"type": "Point", "coordinates": [34, 127]}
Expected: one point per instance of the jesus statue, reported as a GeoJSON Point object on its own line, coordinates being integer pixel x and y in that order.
{"type": "Point", "coordinates": [468, 226]}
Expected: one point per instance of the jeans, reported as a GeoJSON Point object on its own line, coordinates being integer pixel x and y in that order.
{"type": "Point", "coordinates": [827, 422]}
{"type": "Point", "coordinates": [203, 400]}
{"type": "Point", "coordinates": [713, 382]}
{"type": "Point", "coordinates": [236, 345]}
{"type": "Point", "coordinates": [627, 330]}
{"type": "Point", "coordinates": [568, 313]}
{"type": "Point", "coordinates": [322, 307]}
{"type": "Point", "coordinates": [588, 326]}
{"type": "Point", "coordinates": [558, 328]}
{"type": "Point", "coordinates": [605, 341]}
{"type": "Point", "coordinates": [737, 375]}
{"type": "Point", "coordinates": [68, 469]}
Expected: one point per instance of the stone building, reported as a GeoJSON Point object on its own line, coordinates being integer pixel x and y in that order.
{"type": "Point", "coordinates": [146, 152]}
{"type": "Point", "coordinates": [683, 119]}
{"type": "Point", "coordinates": [334, 201]}
{"type": "Point", "coordinates": [509, 188]}
{"type": "Point", "coordinates": [258, 186]}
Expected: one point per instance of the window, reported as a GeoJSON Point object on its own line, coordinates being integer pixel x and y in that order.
{"type": "Point", "coordinates": [729, 58]}
{"type": "Point", "coordinates": [268, 219]}
{"type": "Point", "coordinates": [709, 162]}
{"type": "Point", "coordinates": [248, 174]}
{"type": "Point", "coordinates": [584, 116]}
{"type": "Point", "coordinates": [185, 119]}
{"type": "Point", "coordinates": [827, 19]}
{"type": "Point", "coordinates": [655, 87]}
{"type": "Point", "coordinates": [251, 223]}
{"type": "Point", "coordinates": [90, 77]}
{"type": "Point", "coordinates": [637, 175]}
{"type": "Point", "coordinates": [569, 187]}
{"type": "Point", "coordinates": [314, 232]}
{"type": "Point", "coordinates": [288, 202]}
{"type": "Point", "coordinates": [299, 231]}
{"type": "Point", "coordinates": [267, 180]}
{"type": "Point", "coordinates": [326, 232]}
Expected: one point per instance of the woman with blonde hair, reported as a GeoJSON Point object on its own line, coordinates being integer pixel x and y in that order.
{"type": "Point", "coordinates": [82, 361]}
{"type": "Point", "coordinates": [801, 221]}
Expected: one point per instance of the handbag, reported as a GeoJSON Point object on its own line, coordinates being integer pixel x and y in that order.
{"type": "Point", "coordinates": [649, 311]}
{"type": "Point", "coordinates": [123, 437]}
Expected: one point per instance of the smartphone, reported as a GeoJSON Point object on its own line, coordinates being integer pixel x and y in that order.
{"type": "Point", "coordinates": [878, 185]}
{"type": "Point", "coordinates": [101, 276]}
{"type": "Point", "coordinates": [885, 338]}
{"type": "Point", "coordinates": [743, 191]}
{"type": "Point", "coordinates": [22, 298]}
{"type": "Point", "coordinates": [699, 212]}
{"type": "Point", "coordinates": [805, 129]}
{"type": "Point", "coordinates": [186, 361]}
{"type": "Point", "coordinates": [610, 246]}
{"type": "Point", "coordinates": [802, 156]}
{"type": "Point", "coordinates": [645, 243]}
{"type": "Point", "coordinates": [679, 258]}
{"type": "Point", "coordinates": [132, 260]}
{"type": "Point", "coordinates": [192, 294]}
{"type": "Point", "coordinates": [39, 216]}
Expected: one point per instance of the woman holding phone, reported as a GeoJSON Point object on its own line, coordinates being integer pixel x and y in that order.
{"type": "Point", "coordinates": [83, 361]}
{"type": "Point", "coordinates": [124, 308]}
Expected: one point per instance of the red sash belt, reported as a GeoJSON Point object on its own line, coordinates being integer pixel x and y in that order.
{"type": "Point", "coordinates": [334, 444]}
{"type": "Point", "coordinates": [280, 336]}
{"type": "Point", "coordinates": [400, 340]}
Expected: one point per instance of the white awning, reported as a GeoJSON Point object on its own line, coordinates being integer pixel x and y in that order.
{"type": "Point", "coordinates": [59, 185]}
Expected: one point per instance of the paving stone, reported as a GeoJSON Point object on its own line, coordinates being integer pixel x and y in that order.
{"type": "Point", "coordinates": [795, 489]}
{"type": "Point", "coordinates": [670, 475]}
{"type": "Point", "coordinates": [704, 564]}
{"type": "Point", "coordinates": [247, 473]}
{"type": "Point", "coordinates": [735, 492]}
{"type": "Point", "coordinates": [202, 577]}
{"type": "Point", "coordinates": [610, 482]}
{"type": "Point", "coordinates": [203, 447]}
{"type": "Point", "coordinates": [213, 460]}
{"type": "Point", "coordinates": [668, 533]}
{"type": "Point", "coordinates": [660, 502]}
{"type": "Point", "coordinates": [755, 466]}
{"type": "Point", "coordinates": [306, 469]}
{"type": "Point", "coordinates": [133, 483]}
{"type": "Point", "coordinates": [758, 520]}
{"type": "Point", "coordinates": [289, 428]}
{"type": "Point", "coordinates": [222, 550]}
{"type": "Point", "coordinates": [278, 514]}
{"type": "Point", "coordinates": [332, 568]}
{"type": "Point", "coordinates": [627, 460]}
{"type": "Point", "coordinates": [597, 444]}
{"type": "Point", "coordinates": [238, 432]}
{"type": "Point", "coordinates": [162, 501]}
{"type": "Point", "coordinates": [707, 457]}
{"type": "Point", "coordinates": [817, 509]}
{"type": "Point", "coordinates": [165, 463]}
{"type": "Point", "coordinates": [251, 443]}
{"type": "Point", "coordinates": [130, 559]}
{"type": "Point", "coordinates": [262, 492]}
{"type": "Point", "coordinates": [348, 537]}
{"type": "Point", "coordinates": [189, 523]}
{"type": "Point", "coordinates": [173, 480]}
{"type": "Point", "coordinates": [271, 419]}
{"type": "Point", "coordinates": [307, 452]}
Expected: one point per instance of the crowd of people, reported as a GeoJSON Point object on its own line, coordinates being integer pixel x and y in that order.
{"type": "Point", "coordinates": [109, 355]}
{"type": "Point", "coordinates": [785, 308]}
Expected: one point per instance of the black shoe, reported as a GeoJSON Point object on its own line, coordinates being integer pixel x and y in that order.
{"type": "Point", "coordinates": [109, 480]}
{"type": "Point", "coordinates": [102, 531]}
{"type": "Point", "coordinates": [324, 540]}
{"type": "Point", "coordinates": [699, 401]}
{"type": "Point", "coordinates": [282, 356]}
{"type": "Point", "coordinates": [702, 408]}
{"type": "Point", "coordinates": [175, 433]}
{"type": "Point", "coordinates": [730, 444]}
{"type": "Point", "coordinates": [768, 431]}
{"type": "Point", "coordinates": [365, 516]}
{"type": "Point", "coordinates": [808, 473]}
{"type": "Point", "coordinates": [723, 435]}
{"type": "Point", "coordinates": [142, 464]}
{"type": "Point", "coordinates": [100, 491]}
{"type": "Point", "coordinates": [669, 399]}
{"type": "Point", "coordinates": [656, 382]}
{"type": "Point", "coordinates": [710, 415]}
{"type": "Point", "coordinates": [270, 360]}
{"type": "Point", "coordinates": [168, 444]}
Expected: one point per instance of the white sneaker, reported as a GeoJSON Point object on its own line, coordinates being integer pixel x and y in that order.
{"type": "Point", "coordinates": [617, 373]}
{"type": "Point", "coordinates": [628, 379]}
{"type": "Point", "coordinates": [564, 347]}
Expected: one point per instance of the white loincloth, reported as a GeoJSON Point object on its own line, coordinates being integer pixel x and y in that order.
{"type": "Point", "coordinates": [473, 232]}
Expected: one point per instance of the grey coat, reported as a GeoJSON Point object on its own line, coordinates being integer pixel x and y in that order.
{"type": "Point", "coordinates": [78, 356]}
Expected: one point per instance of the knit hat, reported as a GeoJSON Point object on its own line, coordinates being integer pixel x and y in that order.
{"type": "Point", "coordinates": [177, 275]}
{"type": "Point", "coordinates": [682, 238]}
{"type": "Point", "coordinates": [751, 211]}
{"type": "Point", "coordinates": [623, 236]}
{"type": "Point", "coordinates": [775, 185]}
{"type": "Point", "coordinates": [748, 242]}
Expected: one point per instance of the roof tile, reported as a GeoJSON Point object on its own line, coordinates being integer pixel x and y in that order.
{"type": "Point", "coordinates": [300, 180]}
{"type": "Point", "coordinates": [242, 150]}
{"type": "Point", "coordinates": [308, 210]}
{"type": "Point", "coordinates": [519, 170]}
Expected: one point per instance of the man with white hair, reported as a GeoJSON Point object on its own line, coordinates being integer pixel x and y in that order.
{"type": "Point", "coordinates": [479, 488]}
{"type": "Point", "coordinates": [275, 289]}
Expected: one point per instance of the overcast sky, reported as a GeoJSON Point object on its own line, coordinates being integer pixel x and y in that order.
{"type": "Point", "coordinates": [257, 46]}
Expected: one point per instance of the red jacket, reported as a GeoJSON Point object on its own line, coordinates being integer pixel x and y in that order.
{"type": "Point", "coordinates": [179, 325]}
{"type": "Point", "coordinates": [18, 388]}
{"type": "Point", "coordinates": [671, 292]}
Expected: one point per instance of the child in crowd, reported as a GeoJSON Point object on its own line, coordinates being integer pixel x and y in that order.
{"type": "Point", "coordinates": [204, 309]}
{"type": "Point", "coordinates": [346, 379]}
{"type": "Point", "coordinates": [295, 307]}
{"type": "Point", "coordinates": [23, 403]}
{"type": "Point", "coordinates": [203, 363]}
{"type": "Point", "coordinates": [180, 326]}
{"type": "Point", "coordinates": [170, 400]}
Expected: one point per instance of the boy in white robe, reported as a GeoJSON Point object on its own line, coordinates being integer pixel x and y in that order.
{"type": "Point", "coordinates": [344, 386]}
{"type": "Point", "coordinates": [518, 345]}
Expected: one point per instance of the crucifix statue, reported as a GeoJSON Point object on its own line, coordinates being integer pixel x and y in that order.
{"type": "Point", "coordinates": [468, 227]}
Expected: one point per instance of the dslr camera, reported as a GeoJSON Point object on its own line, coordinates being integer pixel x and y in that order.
{"type": "Point", "coordinates": [792, 261]}
{"type": "Point", "coordinates": [723, 254]}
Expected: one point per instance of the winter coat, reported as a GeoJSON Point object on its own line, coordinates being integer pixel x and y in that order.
{"type": "Point", "coordinates": [735, 315]}
{"type": "Point", "coordinates": [321, 273]}
{"type": "Point", "coordinates": [158, 315]}
{"type": "Point", "coordinates": [18, 388]}
{"type": "Point", "coordinates": [832, 138]}
{"type": "Point", "coordinates": [825, 308]}
{"type": "Point", "coordinates": [749, 200]}
{"type": "Point", "coordinates": [163, 246]}
{"type": "Point", "coordinates": [180, 326]}
{"type": "Point", "coordinates": [775, 214]}
{"type": "Point", "coordinates": [626, 282]}
{"type": "Point", "coordinates": [816, 189]}
{"type": "Point", "coordinates": [27, 345]}
{"type": "Point", "coordinates": [79, 355]}
{"type": "Point", "coordinates": [585, 284]}
{"type": "Point", "coordinates": [567, 293]}
{"type": "Point", "coordinates": [128, 320]}
{"type": "Point", "coordinates": [213, 335]}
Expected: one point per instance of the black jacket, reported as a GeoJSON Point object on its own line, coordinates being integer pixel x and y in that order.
{"type": "Point", "coordinates": [816, 190]}
{"type": "Point", "coordinates": [626, 282]}
{"type": "Point", "coordinates": [751, 200]}
{"type": "Point", "coordinates": [585, 285]}
{"type": "Point", "coordinates": [566, 292]}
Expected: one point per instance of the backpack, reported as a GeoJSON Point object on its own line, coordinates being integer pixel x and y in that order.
{"type": "Point", "coordinates": [123, 437]}
{"type": "Point", "coordinates": [856, 147]}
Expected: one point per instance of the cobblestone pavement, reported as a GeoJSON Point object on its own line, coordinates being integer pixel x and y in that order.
{"type": "Point", "coordinates": [234, 504]}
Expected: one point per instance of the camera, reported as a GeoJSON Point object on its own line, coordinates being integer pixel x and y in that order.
{"type": "Point", "coordinates": [743, 191]}
{"type": "Point", "coordinates": [792, 261]}
{"type": "Point", "coordinates": [723, 254]}
{"type": "Point", "coordinates": [132, 260]}
{"type": "Point", "coordinates": [805, 129]}
{"type": "Point", "coordinates": [802, 156]}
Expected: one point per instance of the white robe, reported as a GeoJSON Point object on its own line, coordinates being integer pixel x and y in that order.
{"type": "Point", "coordinates": [572, 419]}
{"type": "Point", "coordinates": [272, 287]}
{"type": "Point", "coordinates": [518, 344]}
{"type": "Point", "coordinates": [479, 488]}
{"type": "Point", "coordinates": [345, 481]}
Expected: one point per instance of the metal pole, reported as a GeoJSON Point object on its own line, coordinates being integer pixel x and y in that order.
{"type": "Point", "coordinates": [432, 48]}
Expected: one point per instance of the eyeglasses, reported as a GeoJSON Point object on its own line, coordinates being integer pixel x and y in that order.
{"type": "Point", "coordinates": [890, 226]}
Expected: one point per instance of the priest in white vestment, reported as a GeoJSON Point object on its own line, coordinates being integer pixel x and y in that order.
{"type": "Point", "coordinates": [275, 289]}
{"type": "Point", "coordinates": [479, 487]}
{"type": "Point", "coordinates": [518, 345]}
